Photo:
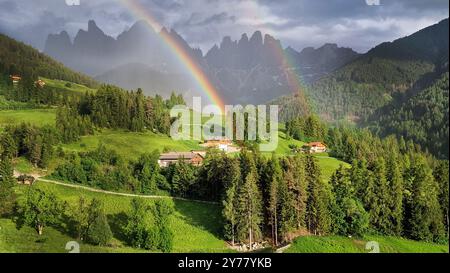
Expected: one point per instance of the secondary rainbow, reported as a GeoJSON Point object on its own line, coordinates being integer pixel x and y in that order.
{"type": "Point", "coordinates": [142, 12]}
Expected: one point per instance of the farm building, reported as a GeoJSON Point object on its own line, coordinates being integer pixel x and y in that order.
{"type": "Point", "coordinates": [225, 145]}
{"type": "Point", "coordinates": [193, 158]}
{"type": "Point", "coordinates": [39, 83]}
{"type": "Point", "coordinates": [15, 79]}
{"type": "Point", "coordinates": [315, 147]}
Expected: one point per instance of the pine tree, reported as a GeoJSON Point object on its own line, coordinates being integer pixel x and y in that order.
{"type": "Point", "coordinates": [7, 181]}
{"type": "Point", "coordinates": [291, 203]}
{"type": "Point", "coordinates": [275, 179]}
{"type": "Point", "coordinates": [229, 202]}
{"type": "Point", "coordinates": [318, 216]}
{"type": "Point", "coordinates": [349, 216]}
{"type": "Point", "coordinates": [300, 190]}
{"type": "Point", "coordinates": [380, 204]}
{"type": "Point", "coordinates": [441, 174]}
{"type": "Point", "coordinates": [8, 145]}
{"type": "Point", "coordinates": [146, 170]}
{"type": "Point", "coordinates": [249, 203]}
{"type": "Point", "coordinates": [425, 220]}
{"type": "Point", "coordinates": [183, 178]}
{"type": "Point", "coordinates": [395, 182]}
{"type": "Point", "coordinates": [359, 177]}
{"type": "Point", "coordinates": [163, 210]}
{"type": "Point", "coordinates": [99, 232]}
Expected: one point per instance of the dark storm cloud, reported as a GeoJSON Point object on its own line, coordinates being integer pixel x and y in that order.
{"type": "Point", "coordinates": [196, 20]}
{"type": "Point", "coordinates": [10, 6]}
{"type": "Point", "coordinates": [297, 23]}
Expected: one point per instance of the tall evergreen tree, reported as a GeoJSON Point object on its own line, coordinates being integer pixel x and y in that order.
{"type": "Point", "coordinates": [249, 203]}
{"type": "Point", "coordinates": [425, 220]}
{"type": "Point", "coordinates": [299, 190]}
{"type": "Point", "coordinates": [230, 201]}
{"type": "Point", "coordinates": [349, 216]}
{"type": "Point", "coordinates": [441, 174]}
{"type": "Point", "coordinates": [7, 181]}
{"type": "Point", "coordinates": [8, 145]}
{"type": "Point", "coordinates": [395, 182]}
{"type": "Point", "coordinates": [379, 205]}
{"type": "Point", "coordinates": [275, 179]}
{"type": "Point", "coordinates": [318, 216]}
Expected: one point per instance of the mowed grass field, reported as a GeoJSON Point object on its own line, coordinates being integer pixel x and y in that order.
{"type": "Point", "coordinates": [67, 86]}
{"type": "Point", "coordinates": [131, 144]}
{"type": "Point", "coordinates": [37, 117]}
{"type": "Point", "coordinates": [196, 226]}
{"type": "Point", "coordinates": [340, 244]}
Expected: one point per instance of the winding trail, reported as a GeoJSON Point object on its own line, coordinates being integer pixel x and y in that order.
{"type": "Point", "coordinates": [38, 178]}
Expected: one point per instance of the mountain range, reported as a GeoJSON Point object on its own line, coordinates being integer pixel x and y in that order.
{"type": "Point", "coordinates": [250, 70]}
{"type": "Point", "coordinates": [398, 87]}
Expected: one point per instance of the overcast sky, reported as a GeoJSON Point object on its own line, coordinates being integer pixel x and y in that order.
{"type": "Point", "coordinates": [297, 23]}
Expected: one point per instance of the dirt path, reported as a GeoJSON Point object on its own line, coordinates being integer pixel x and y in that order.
{"type": "Point", "coordinates": [38, 178]}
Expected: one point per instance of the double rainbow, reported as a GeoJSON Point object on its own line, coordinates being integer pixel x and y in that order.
{"type": "Point", "coordinates": [191, 66]}
{"type": "Point", "coordinates": [143, 13]}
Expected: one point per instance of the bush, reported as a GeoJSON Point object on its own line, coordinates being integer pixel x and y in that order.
{"type": "Point", "coordinates": [100, 232]}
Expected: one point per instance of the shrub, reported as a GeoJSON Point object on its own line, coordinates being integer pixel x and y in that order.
{"type": "Point", "coordinates": [100, 232]}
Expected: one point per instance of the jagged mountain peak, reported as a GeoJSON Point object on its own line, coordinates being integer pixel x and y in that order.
{"type": "Point", "coordinates": [92, 26]}
{"type": "Point", "coordinates": [329, 46]}
{"type": "Point", "coordinates": [256, 38]}
{"type": "Point", "coordinates": [244, 39]}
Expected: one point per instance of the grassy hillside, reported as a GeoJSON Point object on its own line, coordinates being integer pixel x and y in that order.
{"type": "Point", "coordinates": [373, 80]}
{"type": "Point", "coordinates": [19, 58]}
{"type": "Point", "coordinates": [37, 117]}
{"type": "Point", "coordinates": [424, 118]}
{"type": "Point", "coordinates": [196, 226]}
{"type": "Point", "coordinates": [131, 144]}
{"type": "Point", "coordinates": [67, 86]}
{"type": "Point", "coordinates": [339, 244]}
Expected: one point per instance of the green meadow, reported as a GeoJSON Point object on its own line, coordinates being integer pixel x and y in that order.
{"type": "Point", "coordinates": [37, 117]}
{"type": "Point", "coordinates": [340, 244]}
{"type": "Point", "coordinates": [131, 144]}
{"type": "Point", "coordinates": [67, 86]}
{"type": "Point", "coordinates": [196, 226]}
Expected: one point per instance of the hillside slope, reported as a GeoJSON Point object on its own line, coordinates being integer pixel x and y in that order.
{"type": "Point", "coordinates": [17, 58]}
{"type": "Point", "coordinates": [424, 118]}
{"type": "Point", "coordinates": [377, 77]}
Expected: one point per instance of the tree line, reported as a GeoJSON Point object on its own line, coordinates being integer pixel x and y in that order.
{"type": "Point", "coordinates": [112, 107]}
{"type": "Point", "coordinates": [423, 118]}
{"type": "Point", "coordinates": [280, 197]}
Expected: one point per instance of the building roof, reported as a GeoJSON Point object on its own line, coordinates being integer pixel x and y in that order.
{"type": "Point", "coordinates": [177, 155]}
{"type": "Point", "coordinates": [40, 82]}
{"type": "Point", "coordinates": [316, 144]}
